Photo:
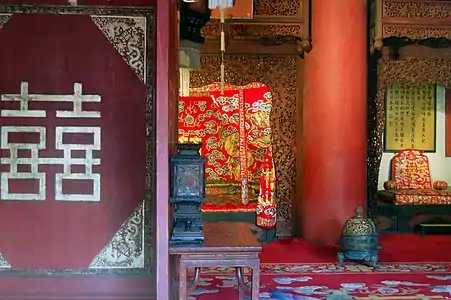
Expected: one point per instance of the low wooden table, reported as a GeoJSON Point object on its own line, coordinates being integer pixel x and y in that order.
{"type": "Point", "coordinates": [226, 244]}
{"type": "Point", "coordinates": [442, 228]}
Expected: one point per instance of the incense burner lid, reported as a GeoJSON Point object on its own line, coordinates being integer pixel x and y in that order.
{"type": "Point", "coordinates": [359, 240]}
{"type": "Point", "coordinates": [359, 224]}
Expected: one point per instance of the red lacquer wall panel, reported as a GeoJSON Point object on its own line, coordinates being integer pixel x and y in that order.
{"type": "Point", "coordinates": [52, 64]}
{"type": "Point", "coordinates": [448, 122]}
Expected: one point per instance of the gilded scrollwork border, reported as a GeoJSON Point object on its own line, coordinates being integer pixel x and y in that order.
{"type": "Point", "coordinates": [279, 73]}
{"type": "Point", "coordinates": [149, 14]}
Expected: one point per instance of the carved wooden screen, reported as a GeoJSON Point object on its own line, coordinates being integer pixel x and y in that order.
{"type": "Point", "coordinates": [76, 147]}
{"type": "Point", "coordinates": [448, 122]}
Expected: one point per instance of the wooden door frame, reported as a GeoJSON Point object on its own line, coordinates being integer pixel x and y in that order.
{"type": "Point", "coordinates": [166, 134]}
{"type": "Point", "coordinates": [448, 122]}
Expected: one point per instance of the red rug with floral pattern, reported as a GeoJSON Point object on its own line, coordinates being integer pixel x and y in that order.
{"type": "Point", "coordinates": [310, 281]}
{"type": "Point", "coordinates": [411, 267]}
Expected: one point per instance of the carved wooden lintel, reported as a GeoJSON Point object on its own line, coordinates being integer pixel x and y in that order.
{"type": "Point", "coordinates": [256, 29]}
{"type": "Point", "coordinates": [412, 20]}
{"type": "Point", "coordinates": [397, 48]}
{"type": "Point", "coordinates": [277, 35]}
{"type": "Point", "coordinates": [213, 47]}
{"type": "Point", "coordinates": [416, 51]}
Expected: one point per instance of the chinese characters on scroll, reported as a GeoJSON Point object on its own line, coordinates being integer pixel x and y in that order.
{"type": "Point", "coordinates": [410, 118]}
{"type": "Point", "coordinates": [26, 142]}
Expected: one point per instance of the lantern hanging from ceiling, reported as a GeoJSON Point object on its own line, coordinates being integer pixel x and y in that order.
{"type": "Point", "coordinates": [193, 17]}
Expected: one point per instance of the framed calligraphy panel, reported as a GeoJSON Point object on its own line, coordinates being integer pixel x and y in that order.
{"type": "Point", "coordinates": [448, 123]}
{"type": "Point", "coordinates": [410, 118]}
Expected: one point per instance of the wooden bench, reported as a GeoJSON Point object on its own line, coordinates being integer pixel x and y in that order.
{"type": "Point", "coordinates": [226, 245]}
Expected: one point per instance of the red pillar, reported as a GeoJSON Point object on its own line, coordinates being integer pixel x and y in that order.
{"type": "Point", "coordinates": [334, 121]}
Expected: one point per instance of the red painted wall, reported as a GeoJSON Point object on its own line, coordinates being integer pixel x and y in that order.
{"type": "Point", "coordinates": [448, 122]}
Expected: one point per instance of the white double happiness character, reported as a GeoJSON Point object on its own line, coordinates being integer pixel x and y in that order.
{"type": "Point", "coordinates": [34, 160]}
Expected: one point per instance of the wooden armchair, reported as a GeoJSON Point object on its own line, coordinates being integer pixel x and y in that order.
{"type": "Point", "coordinates": [410, 197]}
{"type": "Point", "coordinates": [411, 182]}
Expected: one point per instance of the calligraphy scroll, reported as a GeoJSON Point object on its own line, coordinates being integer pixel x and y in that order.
{"type": "Point", "coordinates": [410, 118]}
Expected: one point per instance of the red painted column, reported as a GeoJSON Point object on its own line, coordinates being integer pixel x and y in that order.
{"type": "Point", "coordinates": [334, 121]}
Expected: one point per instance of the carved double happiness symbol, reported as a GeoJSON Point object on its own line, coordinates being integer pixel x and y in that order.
{"type": "Point", "coordinates": [34, 148]}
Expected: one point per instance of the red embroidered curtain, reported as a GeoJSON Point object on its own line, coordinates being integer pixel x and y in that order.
{"type": "Point", "coordinates": [235, 131]}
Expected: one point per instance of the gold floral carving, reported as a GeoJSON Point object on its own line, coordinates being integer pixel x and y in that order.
{"type": "Point", "coordinates": [279, 74]}
{"type": "Point", "coordinates": [256, 32]}
{"type": "Point", "coordinates": [128, 35]}
{"type": "Point", "coordinates": [3, 263]}
{"type": "Point", "coordinates": [415, 32]}
{"type": "Point", "coordinates": [277, 7]}
{"type": "Point", "coordinates": [417, 10]}
{"type": "Point", "coordinates": [211, 30]}
{"type": "Point", "coordinates": [126, 248]}
{"type": "Point", "coordinates": [4, 18]}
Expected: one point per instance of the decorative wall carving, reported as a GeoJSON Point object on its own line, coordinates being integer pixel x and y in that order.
{"type": "Point", "coordinates": [3, 263]}
{"type": "Point", "coordinates": [128, 35]}
{"type": "Point", "coordinates": [279, 74]}
{"type": "Point", "coordinates": [4, 18]}
{"type": "Point", "coordinates": [277, 8]}
{"type": "Point", "coordinates": [413, 71]}
{"type": "Point", "coordinates": [415, 32]}
{"type": "Point", "coordinates": [259, 31]}
{"type": "Point", "coordinates": [252, 31]}
{"type": "Point", "coordinates": [212, 30]}
{"type": "Point", "coordinates": [415, 20]}
{"type": "Point", "coordinates": [417, 10]}
{"type": "Point", "coordinates": [126, 248]}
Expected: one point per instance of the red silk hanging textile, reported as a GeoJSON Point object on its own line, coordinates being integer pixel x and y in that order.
{"type": "Point", "coordinates": [235, 131]}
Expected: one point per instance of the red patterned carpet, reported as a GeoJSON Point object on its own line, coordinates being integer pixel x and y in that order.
{"type": "Point", "coordinates": [411, 267]}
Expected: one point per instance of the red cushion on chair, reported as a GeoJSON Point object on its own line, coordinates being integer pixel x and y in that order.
{"type": "Point", "coordinates": [440, 185]}
{"type": "Point", "coordinates": [411, 170]}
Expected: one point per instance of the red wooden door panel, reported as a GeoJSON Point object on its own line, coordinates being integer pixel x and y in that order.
{"type": "Point", "coordinates": [76, 147]}
{"type": "Point", "coordinates": [448, 122]}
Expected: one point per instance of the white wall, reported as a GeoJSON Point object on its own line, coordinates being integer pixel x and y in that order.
{"type": "Point", "coordinates": [440, 165]}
